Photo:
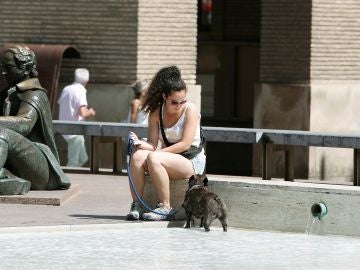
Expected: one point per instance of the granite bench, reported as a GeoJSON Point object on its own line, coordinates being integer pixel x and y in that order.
{"type": "Point", "coordinates": [268, 138]}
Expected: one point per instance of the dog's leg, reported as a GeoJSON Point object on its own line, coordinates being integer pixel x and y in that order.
{"type": "Point", "coordinates": [223, 221]}
{"type": "Point", "coordinates": [207, 221]}
{"type": "Point", "coordinates": [201, 222]}
{"type": "Point", "coordinates": [188, 219]}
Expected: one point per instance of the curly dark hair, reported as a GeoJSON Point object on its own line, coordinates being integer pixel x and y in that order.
{"type": "Point", "coordinates": [165, 81]}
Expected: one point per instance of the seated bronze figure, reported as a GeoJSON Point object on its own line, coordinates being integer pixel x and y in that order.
{"type": "Point", "coordinates": [27, 146]}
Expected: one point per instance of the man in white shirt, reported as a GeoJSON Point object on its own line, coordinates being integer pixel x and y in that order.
{"type": "Point", "coordinates": [73, 106]}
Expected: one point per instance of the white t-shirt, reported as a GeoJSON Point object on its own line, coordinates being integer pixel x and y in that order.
{"type": "Point", "coordinates": [71, 99]}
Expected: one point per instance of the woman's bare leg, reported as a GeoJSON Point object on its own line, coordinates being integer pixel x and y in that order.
{"type": "Point", "coordinates": [137, 171]}
{"type": "Point", "coordinates": [162, 166]}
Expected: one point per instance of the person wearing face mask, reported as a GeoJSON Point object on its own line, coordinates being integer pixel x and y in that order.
{"type": "Point", "coordinates": [176, 123]}
{"type": "Point", "coordinates": [27, 145]}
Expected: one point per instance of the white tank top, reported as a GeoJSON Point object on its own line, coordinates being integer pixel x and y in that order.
{"type": "Point", "coordinates": [174, 134]}
{"type": "Point", "coordinates": [141, 117]}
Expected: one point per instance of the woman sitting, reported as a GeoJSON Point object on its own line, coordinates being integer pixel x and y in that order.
{"type": "Point", "coordinates": [166, 102]}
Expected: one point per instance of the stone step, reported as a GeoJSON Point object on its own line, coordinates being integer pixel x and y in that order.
{"type": "Point", "coordinates": [42, 197]}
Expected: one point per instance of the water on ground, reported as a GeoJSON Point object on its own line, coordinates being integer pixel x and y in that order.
{"type": "Point", "coordinates": [177, 248]}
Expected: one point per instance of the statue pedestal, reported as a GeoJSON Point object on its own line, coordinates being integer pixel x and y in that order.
{"type": "Point", "coordinates": [42, 197]}
{"type": "Point", "coordinates": [14, 186]}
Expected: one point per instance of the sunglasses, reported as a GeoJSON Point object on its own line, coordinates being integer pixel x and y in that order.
{"type": "Point", "coordinates": [176, 103]}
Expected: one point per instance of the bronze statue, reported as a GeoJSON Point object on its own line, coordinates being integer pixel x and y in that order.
{"type": "Point", "coordinates": [27, 145]}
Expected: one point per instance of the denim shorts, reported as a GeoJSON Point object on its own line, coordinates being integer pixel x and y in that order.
{"type": "Point", "coordinates": [199, 162]}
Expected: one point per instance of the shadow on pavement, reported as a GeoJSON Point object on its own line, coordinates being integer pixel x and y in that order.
{"type": "Point", "coordinates": [98, 217]}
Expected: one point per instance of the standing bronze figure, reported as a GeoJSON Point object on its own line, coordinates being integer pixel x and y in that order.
{"type": "Point", "coordinates": [27, 145]}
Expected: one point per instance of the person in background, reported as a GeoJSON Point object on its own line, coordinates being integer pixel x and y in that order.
{"type": "Point", "coordinates": [73, 106]}
{"type": "Point", "coordinates": [166, 101]}
{"type": "Point", "coordinates": [136, 114]}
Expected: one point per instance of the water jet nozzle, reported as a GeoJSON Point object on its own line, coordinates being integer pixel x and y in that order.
{"type": "Point", "coordinates": [319, 210]}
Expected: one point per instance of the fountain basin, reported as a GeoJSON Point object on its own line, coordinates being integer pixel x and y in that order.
{"type": "Point", "coordinates": [285, 206]}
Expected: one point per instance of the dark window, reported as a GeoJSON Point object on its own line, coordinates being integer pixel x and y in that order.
{"type": "Point", "coordinates": [204, 15]}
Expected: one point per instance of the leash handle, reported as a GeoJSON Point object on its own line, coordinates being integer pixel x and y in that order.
{"type": "Point", "coordinates": [130, 143]}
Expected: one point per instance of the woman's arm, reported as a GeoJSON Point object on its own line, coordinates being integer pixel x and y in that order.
{"type": "Point", "coordinates": [153, 135]}
{"type": "Point", "coordinates": [134, 106]}
{"type": "Point", "coordinates": [153, 127]}
{"type": "Point", "coordinates": [23, 122]}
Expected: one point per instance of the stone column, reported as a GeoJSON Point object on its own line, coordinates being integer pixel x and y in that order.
{"type": "Point", "coordinates": [335, 83]}
{"type": "Point", "coordinates": [282, 96]}
{"type": "Point", "coordinates": [167, 35]}
{"type": "Point", "coordinates": [309, 79]}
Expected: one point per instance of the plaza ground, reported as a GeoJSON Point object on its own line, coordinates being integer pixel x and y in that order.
{"type": "Point", "coordinates": [100, 199]}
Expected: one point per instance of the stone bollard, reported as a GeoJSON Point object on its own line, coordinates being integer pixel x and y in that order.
{"type": "Point", "coordinates": [178, 188]}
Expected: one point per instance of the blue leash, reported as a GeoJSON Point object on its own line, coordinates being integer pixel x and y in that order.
{"type": "Point", "coordinates": [129, 148]}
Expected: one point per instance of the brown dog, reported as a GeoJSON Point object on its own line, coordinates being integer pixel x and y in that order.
{"type": "Point", "coordinates": [201, 203]}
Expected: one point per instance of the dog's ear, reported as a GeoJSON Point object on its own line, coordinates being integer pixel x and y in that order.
{"type": "Point", "coordinates": [205, 181]}
{"type": "Point", "coordinates": [192, 181]}
{"type": "Point", "coordinates": [192, 178]}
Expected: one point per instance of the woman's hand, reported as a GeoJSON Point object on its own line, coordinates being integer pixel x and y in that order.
{"type": "Point", "coordinates": [140, 144]}
{"type": "Point", "coordinates": [134, 137]}
{"type": "Point", "coordinates": [136, 142]}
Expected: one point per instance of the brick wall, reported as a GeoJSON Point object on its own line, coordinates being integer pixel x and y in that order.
{"type": "Point", "coordinates": [119, 40]}
{"type": "Point", "coordinates": [104, 31]}
{"type": "Point", "coordinates": [335, 48]}
{"type": "Point", "coordinates": [167, 35]}
{"type": "Point", "coordinates": [285, 41]}
{"type": "Point", "coordinates": [310, 40]}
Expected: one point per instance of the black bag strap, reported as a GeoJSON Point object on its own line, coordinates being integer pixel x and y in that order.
{"type": "Point", "coordinates": [162, 128]}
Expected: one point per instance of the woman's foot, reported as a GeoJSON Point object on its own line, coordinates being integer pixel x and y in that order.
{"type": "Point", "coordinates": [136, 211]}
{"type": "Point", "coordinates": [163, 214]}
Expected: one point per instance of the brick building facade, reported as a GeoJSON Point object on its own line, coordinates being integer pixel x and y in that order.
{"type": "Point", "coordinates": [284, 64]}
